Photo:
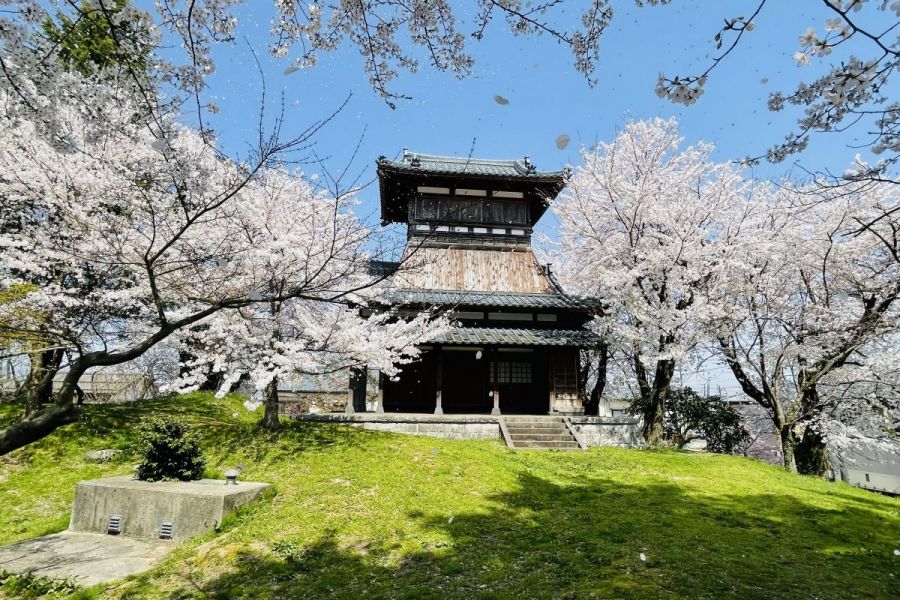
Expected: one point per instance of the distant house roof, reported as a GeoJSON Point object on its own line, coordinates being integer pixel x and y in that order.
{"type": "Point", "coordinates": [517, 337]}
{"type": "Point", "coordinates": [398, 180]}
{"type": "Point", "coordinates": [421, 297]}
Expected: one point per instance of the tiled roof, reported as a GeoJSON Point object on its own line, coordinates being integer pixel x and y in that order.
{"type": "Point", "coordinates": [430, 163]}
{"type": "Point", "coordinates": [500, 299]}
{"type": "Point", "coordinates": [518, 337]}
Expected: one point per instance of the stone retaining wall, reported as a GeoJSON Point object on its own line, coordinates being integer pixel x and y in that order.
{"type": "Point", "coordinates": [608, 431]}
{"type": "Point", "coordinates": [593, 431]}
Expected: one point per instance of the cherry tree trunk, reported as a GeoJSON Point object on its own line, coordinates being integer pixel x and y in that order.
{"type": "Point", "coordinates": [810, 454]}
{"type": "Point", "coordinates": [653, 423]}
{"type": "Point", "coordinates": [592, 401]}
{"type": "Point", "coordinates": [46, 420]}
{"type": "Point", "coordinates": [39, 384]}
{"type": "Point", "coordinates": [654, 405]}
{"type": "Point", "coordinates": [36, 426]}
{"type": "Point", "coordinates": [788, 445]}
{"type": "Point", "coordinates": [270, 418]}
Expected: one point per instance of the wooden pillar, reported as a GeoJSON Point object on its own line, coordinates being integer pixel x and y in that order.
{"type": "Point", "coordinates": [438, 378]}
{"type": "Point", "coordinates": [551, 379]}
{"type": "Point", "coordinates": [379, 398]}
{"type": "Point", "coordinates": [495, 386]}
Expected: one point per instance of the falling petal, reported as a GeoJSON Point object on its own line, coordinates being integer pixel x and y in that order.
{"type": "Point", "coordinates": [450, 520]}
{"type": "Point", "coordinates": [501, 100]}
{"type": "Point", "coordinates": [562, 141]}
{"type": "Point", "coordinates": [643, 557]}
{"type": "Point", "coordinates": [291, 69]}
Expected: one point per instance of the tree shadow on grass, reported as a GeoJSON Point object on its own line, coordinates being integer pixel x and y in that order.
{"type": "Point", "coordinates": [255, 444]}
{"type": "Point", "coordinates": [546, 540]}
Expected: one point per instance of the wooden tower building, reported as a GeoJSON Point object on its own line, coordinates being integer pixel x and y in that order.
{"type": "Point", "coordinates": [514, 348]}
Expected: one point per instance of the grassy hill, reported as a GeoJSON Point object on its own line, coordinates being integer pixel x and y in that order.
{"type": "Point", "coordinates": [364, 514]}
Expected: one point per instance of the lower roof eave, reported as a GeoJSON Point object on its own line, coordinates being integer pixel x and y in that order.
{"type": "Point", "coordinates": [517, 337]}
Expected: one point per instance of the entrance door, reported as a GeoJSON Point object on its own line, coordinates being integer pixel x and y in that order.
{"type": "Point", "coordinates": [464, 382]}
{"type": "Point", "coordinates": [521, 379]}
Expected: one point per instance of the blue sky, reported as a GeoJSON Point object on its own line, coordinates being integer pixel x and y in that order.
{"type": "Point", "coordinates": [547, 97]}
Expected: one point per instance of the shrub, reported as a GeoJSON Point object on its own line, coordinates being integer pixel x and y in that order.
{"type": "Point", "coordinates": [29, 586]}
{"type": "Point", "coordinates": [691, 416]}
{"type": "Point", "coordinates": [169, 450]}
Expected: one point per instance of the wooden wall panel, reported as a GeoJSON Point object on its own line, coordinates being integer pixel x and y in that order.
{"type": "Point", "coordinates": [470, 269]}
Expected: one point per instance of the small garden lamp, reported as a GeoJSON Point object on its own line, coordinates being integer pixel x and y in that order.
{"type": "Point", "coordinates": [231, 476]}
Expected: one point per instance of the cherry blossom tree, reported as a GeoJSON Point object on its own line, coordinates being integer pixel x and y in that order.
{"type": "Point", "coordinates": [806, 303]}
{"type": "Point", "coordinates": [132, 227]}
{"type": "Point", "coordinates": [124, 226]}
{"type": "Point", "coordinates": [267, 343]}
{"type": "Point", "coordinates": [861, 418]}
{"type": "Point", "coordinates": [859, 44]}
{"type": "Point", "coordinates": [646, 226]}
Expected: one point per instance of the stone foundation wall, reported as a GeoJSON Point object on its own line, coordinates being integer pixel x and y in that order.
{"type": "Point", "coordinates": [451, 431]}
{"type": "Point", "coordinates": [463, 427]}
{"type": "Point", "coordinates": [593, 431]}
{"type": "Point", "coordinates": [608, 431]}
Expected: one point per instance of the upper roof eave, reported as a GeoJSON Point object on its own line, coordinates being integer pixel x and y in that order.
{"type": "Point", "coordinates": [429, 164]}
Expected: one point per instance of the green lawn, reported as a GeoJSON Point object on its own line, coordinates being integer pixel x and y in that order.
{"type": "Point", "coordinates": [363, 514]}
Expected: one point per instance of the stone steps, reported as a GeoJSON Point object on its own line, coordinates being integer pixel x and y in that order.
{"type": "Point", "coordinates": [538, 432]}
{"type": "Point", "coordinates": [543, 437]}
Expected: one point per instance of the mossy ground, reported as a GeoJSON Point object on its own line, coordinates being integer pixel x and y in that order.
{"type": "Point", "coordinates": [364, 514]}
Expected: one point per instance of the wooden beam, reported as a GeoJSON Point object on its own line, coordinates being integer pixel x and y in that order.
{"type": "Point", "coordinates": [379, 399]}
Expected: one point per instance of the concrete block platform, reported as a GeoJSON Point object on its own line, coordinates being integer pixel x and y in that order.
{"type": "Point", "coordinates": [189, 507]}
{"type": "Point", "coordinates": [91, 555]}
{"type": "Point", "coordinates": [88, 558]}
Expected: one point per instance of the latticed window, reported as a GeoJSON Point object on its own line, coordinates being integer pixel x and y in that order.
{"type": "Point", "coordinates": [514, 213]}
{"type": "Point", "coordinates": [565, 375]}
{"type": "Point", "coordinates": [511, 372]}
{"type": "Point", "coordinates": [465, 210]}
